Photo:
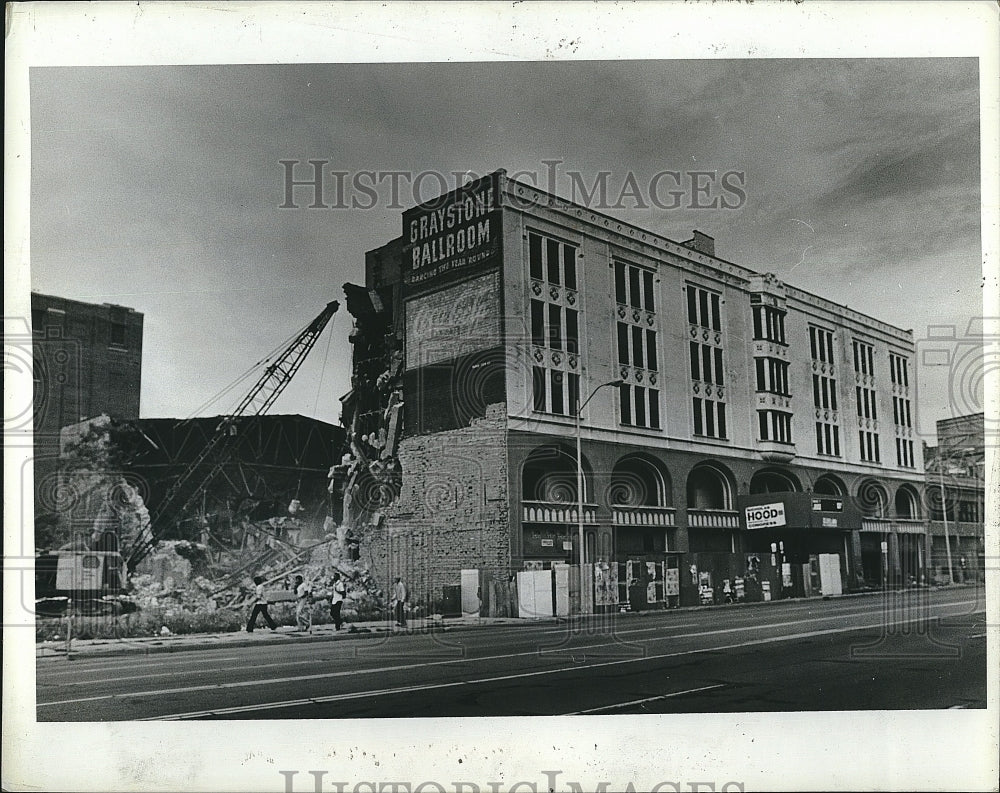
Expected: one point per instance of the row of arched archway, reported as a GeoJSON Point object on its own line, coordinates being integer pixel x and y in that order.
{"type": "Point", "coordinates": [549, 474]}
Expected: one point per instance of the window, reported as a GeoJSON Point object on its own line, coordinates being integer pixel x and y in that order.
{"type": "Point", "coordinates": [827, 439]}
{"type": "Point", "coordinates": [901, 413]}
{"type": "Point", "coordinates": [555, 325]}
{"type": "Point", "coordinates": [904, 453]}
{"type": "Point", "coordinates": [772, 376]}
{"type": "Point", "coordinates": [704, 308]}
{"type": "Point", "coordinates": [768, 323]}
{"type": "Point", "coordinates": [775, 425]}
{"type": "Point", "coordinates": [117, 318]}
{"type": "Point", "coordinates": [635, 327]}
{"type": "Point", "coordinates": [552, 261]}
{"type": "Point", "coordinates": [709, 417]}
{"type": "Point", "coordinates": [865, 399]}
{"type": "Point", "coordinates": [554, 391]}
{"type": "Point", "coordinates": [869, 446]}
{"type": "Point", "coordinates": [864, 355]}
{"type": "Point", "coordinates": [899, 370]}
{"type": "Point", "coordinates": [824, 387]}
{"type": "Point", "coordinates": [706, 358]}
{"type": "Point", "coordinates": [821, 344]}
{"type": "Point", "coordinates": [118, 334]}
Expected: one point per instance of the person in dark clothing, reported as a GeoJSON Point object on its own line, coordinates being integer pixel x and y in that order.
{"type": "Point", "coordinates": [259, 607]}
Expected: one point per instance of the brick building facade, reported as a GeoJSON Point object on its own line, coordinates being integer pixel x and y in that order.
{"type": "Point", "coordinates": [732, 396]}
{"type": "Point", "coordinates": [87, 362]}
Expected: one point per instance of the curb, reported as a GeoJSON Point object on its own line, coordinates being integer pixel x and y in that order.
{"type": "Point", "coordinates": [213, 641]}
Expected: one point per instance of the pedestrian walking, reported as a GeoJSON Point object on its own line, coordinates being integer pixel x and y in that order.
{"type": "Point", "coordinates": [303, 604]}
{"type": "Point", "coordinates": [337, 592]}
{"type": "Point", "coordinates": [399, 595]}
{"type": "Point", "coordinates": [259, 606]}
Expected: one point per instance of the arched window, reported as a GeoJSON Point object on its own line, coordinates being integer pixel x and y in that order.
{"type": "Point", "coordinates": [873, 500]}
{"type": "Point", "coordinates": [906, 504]}
{"type": "Point", "coordinates": [549, 474]}
{"type": "Point", "coordinates": [638, 481]}
{"type": "Point", "coordinates": [708, 488]}
{"type": "Point", "coordinates": [773, 481]}
{"type": "Point", "coordinates": [828, 485]}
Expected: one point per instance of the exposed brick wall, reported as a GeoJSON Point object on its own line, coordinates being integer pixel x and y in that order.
{"type": "Point", "coordinates": [452, 511]}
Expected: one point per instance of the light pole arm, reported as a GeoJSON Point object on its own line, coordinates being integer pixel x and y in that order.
{"type": "Point", "coordinates": [579, 479]}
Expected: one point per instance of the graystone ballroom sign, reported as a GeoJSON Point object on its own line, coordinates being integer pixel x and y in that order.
{"type": "Point", "coordinates": [454, 236]}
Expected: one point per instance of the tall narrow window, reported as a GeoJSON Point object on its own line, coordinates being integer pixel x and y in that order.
{"type": "Point", "coordinates": [636, 339]}
{"type": "Point", "coordinates": [900, 378]}
{"type": "Point", "coordinates": [707, 361]}
{"type": "Point", "coordinates": [865, 395]}
{"type": "Point", "coordinates": [824, 392]}
{"type": "Point", "coordinates": [555, 324]}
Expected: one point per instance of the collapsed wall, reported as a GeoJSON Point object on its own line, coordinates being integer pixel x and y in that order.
{"type": "Point", "coordinates": [452, 509]}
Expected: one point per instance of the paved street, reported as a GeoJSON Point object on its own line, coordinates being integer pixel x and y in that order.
{"type": "Point", "coordinates": [923, 649]}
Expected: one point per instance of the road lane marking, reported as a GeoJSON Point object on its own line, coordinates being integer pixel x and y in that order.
{"type": "Point", "coordinates": [659, 629]}
{"type": "Point", "coordinates": [495, 679]}
{"type": "Point", "coordinates": [403, 667]}
{"type": "Point", "coordinates": [618, 705]}
{"type": "Point", "coordinates": [91, 666]}
{"type": "Point", "coordinates": [207, 670]}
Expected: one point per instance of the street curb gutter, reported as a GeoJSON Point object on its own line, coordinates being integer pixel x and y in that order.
{"type": "Point", "coordinates": [221, 641]}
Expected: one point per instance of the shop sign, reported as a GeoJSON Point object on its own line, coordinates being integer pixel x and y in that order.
{"type": "Point", "coordinates": [829, 523]}
{"type": "Point", "coordinates": [765, 516]}
{"type": "Point", "coordinates": [828, 505]}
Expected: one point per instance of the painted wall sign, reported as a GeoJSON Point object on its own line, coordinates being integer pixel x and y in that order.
{"type": "Point", "coordinates": [455, 321]}
{"type": "Point", "coordinates": [451, 236]}
{"type": "Point", "coordinates": [765, 516]}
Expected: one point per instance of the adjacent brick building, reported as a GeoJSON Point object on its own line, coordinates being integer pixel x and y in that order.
{"type": "Point", "coordinates": [87, 362]}
{"type": "Point", "coordinates": [756, 426]}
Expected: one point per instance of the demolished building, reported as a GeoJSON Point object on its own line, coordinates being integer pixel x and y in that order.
{"type": "Point", "coordinates": [512, 307]}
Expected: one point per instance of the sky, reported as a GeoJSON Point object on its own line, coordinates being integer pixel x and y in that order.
{"type": "Point", "coordinates": [160, 188]}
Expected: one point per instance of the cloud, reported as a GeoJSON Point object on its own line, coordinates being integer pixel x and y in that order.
{"type": "Point", "coordinates": [159, 187]}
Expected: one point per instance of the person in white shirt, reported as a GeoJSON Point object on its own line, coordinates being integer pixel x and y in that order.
{"type": "Point", "coordinates": [259, 606]}
{"type": "Point", "coordinates": [337, 592]}
{"type": "Point", "coordinates": [399, 595]}
{"type": "Point", "coordinates": [303, 604]}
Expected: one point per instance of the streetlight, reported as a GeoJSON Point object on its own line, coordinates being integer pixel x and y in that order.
{"type": "Point", "coordinates": [944, 515]}
{"type": "Point", "coordinates": [579, 473]}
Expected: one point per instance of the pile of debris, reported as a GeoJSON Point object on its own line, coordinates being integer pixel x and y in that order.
{"type": "Point", "coordinates": [189, 576]}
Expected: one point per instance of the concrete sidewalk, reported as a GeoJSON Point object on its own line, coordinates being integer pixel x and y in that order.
{"type": "Point", "coordinates": [287, 634]}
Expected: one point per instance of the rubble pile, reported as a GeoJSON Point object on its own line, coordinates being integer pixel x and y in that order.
{"type": "Point", "coordinates": [183, 576]}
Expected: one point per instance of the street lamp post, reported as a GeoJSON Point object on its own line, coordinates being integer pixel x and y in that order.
{"type": "Point", "coordinates": [579, 475]}
{"type": "Point", "coordinates": [944, 515]}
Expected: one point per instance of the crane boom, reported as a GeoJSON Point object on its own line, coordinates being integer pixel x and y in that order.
{"type": "Point", "coordinates": [223, 442]}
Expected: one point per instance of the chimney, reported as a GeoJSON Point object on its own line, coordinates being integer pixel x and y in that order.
{"type": "Point", "coordinates": [701, 243]}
